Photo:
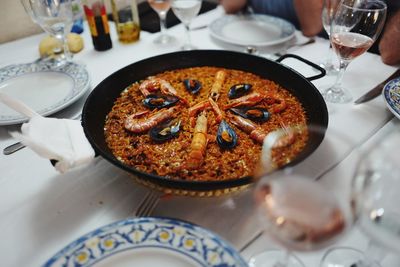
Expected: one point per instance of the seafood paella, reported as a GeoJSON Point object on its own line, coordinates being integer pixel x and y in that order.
{"type": "Point", "coordinates": [201, 123]}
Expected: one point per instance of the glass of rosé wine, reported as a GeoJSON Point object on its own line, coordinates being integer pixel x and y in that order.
{"type": "Point", "coordinates": [161, 7]}
{"type": "Point", "coordinates": [355, 27]}
{"type": "Point", "coordinates": [375, 187]}
{"type": "Point", "coordinates": [299, 208]}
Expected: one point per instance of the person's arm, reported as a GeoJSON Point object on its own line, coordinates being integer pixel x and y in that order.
{"type": "Point", "coordinates": [389, 46]}
{"type": "Point", "coordinates": [233, 6]}
{"type": "Point", "coordinates": [309, 15]}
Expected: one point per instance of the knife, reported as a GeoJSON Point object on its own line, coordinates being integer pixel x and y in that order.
{"type": "Point", "coordinates": [377, 90]}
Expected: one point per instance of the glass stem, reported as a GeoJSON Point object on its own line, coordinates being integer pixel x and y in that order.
{"type": "Point", "coordinates": [64, 42]}
{"type": "Point", "coordinates": [188, 41]}
{"type": "Point", "coordinates": [342, 68]}
{"type": "Point", "coordinates": [329, 59]}
{"type": "Point", "coordinates": [163, 22]}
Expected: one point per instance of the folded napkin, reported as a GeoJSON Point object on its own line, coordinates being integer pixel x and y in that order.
{"type": "Point", "coordinates": [62, 140]}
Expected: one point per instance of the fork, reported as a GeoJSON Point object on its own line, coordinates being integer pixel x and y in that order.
{"type": "Point", "coordinates": [147, 205]}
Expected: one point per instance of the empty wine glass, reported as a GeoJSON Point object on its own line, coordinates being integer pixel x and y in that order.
{"type": "Point", "coordinates": [301, 214]}
{"type": "Point", "coordinates": [376, 186]}
{"type": "Point", "coordinates": [328, 11]}
{"type": "Point", "coordinates": [355, 27]}
{"type": "Point", "coordinates": [56, 18]}
{"type": "Point", "coordinates": [186, 10]}
{"type": "Point", "coordinates": [162, 7]}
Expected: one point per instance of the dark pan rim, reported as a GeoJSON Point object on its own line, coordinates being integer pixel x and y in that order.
{"type": "Point", "coordinates": [185, 184]}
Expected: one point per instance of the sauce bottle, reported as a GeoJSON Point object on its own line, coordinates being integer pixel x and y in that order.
{"type": "Point", "coordinates": [98, 23]}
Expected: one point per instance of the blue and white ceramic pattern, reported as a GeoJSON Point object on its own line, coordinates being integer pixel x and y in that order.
{"type": "Point", "coordinates": [42, 86]}
{"type": "Point", "coordinates": [255, 30]}
{"type": "Point", "coordinates": [391, 94]}
{"type": "Point", "coordinates": [148, 241]}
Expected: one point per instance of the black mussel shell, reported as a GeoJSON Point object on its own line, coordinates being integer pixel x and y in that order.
{"type": "Point", "coordinates": [239, 90]}
{"type": "Point", "coordinates": [165, 131]}
{"type": "Point", "coordinates": [226, 136]}
{"type": "Point", "coordinates": [252, 113]}
{"type": "Point", "coordinates": [153, 101]}
{"type": "Point", "coordinates": [192, 85]}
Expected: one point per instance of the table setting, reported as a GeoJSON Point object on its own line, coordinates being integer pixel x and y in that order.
{"type": "Point", "coordinates": [67, 200]}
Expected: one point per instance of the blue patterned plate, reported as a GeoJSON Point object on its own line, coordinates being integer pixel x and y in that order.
{"type": "Point", "coordinates": [254, 29]}
{"type": "Point", "coordinates": [149, 242]}
{"type": "Point", "coordinates": [41, 86]}
{"type": "Point", "coordinates": [391, 94]}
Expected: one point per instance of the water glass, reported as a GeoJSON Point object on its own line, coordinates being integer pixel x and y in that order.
{"type": "Point", "coordinates": [186, 11]}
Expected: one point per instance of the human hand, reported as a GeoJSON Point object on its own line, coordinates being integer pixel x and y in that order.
{"type": "Point", "coordinates": [389, 46]}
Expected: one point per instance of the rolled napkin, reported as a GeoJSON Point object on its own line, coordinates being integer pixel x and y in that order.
{"type": "Point", "coordinates": [62, 140]}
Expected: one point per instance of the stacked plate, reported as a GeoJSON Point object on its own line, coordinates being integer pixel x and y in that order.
{"type": "Point", "coordinates": [41, 86]}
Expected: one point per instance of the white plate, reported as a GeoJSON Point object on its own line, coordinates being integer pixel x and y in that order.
{"type": "Point", "coordinates": [255, 29]}
{"type": "Point", "coordinates": [149, 242]}
{"type": "Point", "coordinates": [42, 87]}
{"type": "Point", "coordinates": [391, 94]}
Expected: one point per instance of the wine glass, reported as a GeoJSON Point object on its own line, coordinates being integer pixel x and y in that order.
{"type": "Point", "coordinates": [295, 210]}
{"type": "Point", "coordinates": [56, 18]}
{"type": "Point", "coordinates": [355, 26]}
{"type": "Point", "coordinates": [162, 7]}
{"type": "Point", "coordinates": [186, 10]}
{"type": "Point", "coordinates": [328, 11]}
{"type": "Point", "coordinates": [376, 186]}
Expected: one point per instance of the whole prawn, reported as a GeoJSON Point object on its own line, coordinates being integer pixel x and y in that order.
{"type": "Point", "coordinates": [199, 144]}
{"type": "Point", "coordinates": [136, 124]}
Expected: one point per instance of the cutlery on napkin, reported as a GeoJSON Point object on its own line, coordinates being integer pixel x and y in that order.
{"type": "Point", "coordinates": [62, 140]}
{"type": "Point", "coordinates": [377, 90]}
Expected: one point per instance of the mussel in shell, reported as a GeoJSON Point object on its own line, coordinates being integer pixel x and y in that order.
{"type": "Point", "coordinates": [165, 131]}
{"type": "Point", "coordinates": [192, 85]}
{"type": "Point", "coordinates": [226, 136]}
{"type": "Point", "coordinates": [252, 113]}
{"type": "Point", "coordinates": [153, 101]}
{"type": "Point", "coordinates": [239, 90]}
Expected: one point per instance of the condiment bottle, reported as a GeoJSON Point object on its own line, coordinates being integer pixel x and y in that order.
{"type": "Point", "coordinates": [126, 18]}
{"type": "Point", "coordinates": [98, 23]}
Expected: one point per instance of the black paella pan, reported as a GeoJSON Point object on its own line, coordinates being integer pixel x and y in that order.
{"type": "Point", "coordinates": [101, 100]}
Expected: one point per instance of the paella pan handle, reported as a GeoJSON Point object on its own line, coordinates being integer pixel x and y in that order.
{"type": "Point", "coordinates": [315, 66]}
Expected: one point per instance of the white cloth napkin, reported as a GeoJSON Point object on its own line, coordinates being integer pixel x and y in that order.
{"type": "Point", "coordinates": [62, 140]}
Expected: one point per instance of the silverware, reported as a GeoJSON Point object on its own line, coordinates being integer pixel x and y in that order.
{"type": "Point", "coordinates": [148, 204]}
{"type": "Point", "coordinates": [282, 52]}
{"type": "Point", "coordinates": [199, 27]}
{"type": "Point", "coordinates": [377, 90]}
{"type": "Point", "coordinates": [18, 146]}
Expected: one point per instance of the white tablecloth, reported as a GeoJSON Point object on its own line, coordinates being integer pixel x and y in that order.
{"type": "Point", "coordinates": [42, 210]}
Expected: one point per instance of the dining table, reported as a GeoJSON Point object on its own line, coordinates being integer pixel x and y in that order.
{"type": "Point", "coordinates": [42, 210]}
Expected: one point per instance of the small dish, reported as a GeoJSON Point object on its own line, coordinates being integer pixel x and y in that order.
{"type": "Point", "coordinates": [42, 87]}
{"type": "Point", "coordinates": [391, 94]}
{"type": "Point", "coordinates": [255, 30]}
{"type": "Point", "coordinates": [148, 241]}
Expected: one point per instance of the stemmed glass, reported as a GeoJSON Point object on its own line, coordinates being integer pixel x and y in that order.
{"type": "Point", "coordinates": [162, 7]}
{"type": "Point", "coordinates": [355, 26]}
{"type": "Point", "coordinates": [376, 186]}
{"type": "Point", "coordinates": [186, 10]}
{"type": "Point", "coordinates": [56, 18]}
{"type": "Point", "coordinates": [295, 210]}
{"type": "Point", "coordinates": [328, 11]}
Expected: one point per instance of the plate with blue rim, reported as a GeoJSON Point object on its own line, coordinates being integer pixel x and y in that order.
{"type": "Point", "coordinates": [149, 241]}
{"type": "Point", "coordinates": [42, 86]}
{"type": "Point", "coordinates": [391, 94]}
{"type": "Point", "coordinates": [252, 29]}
